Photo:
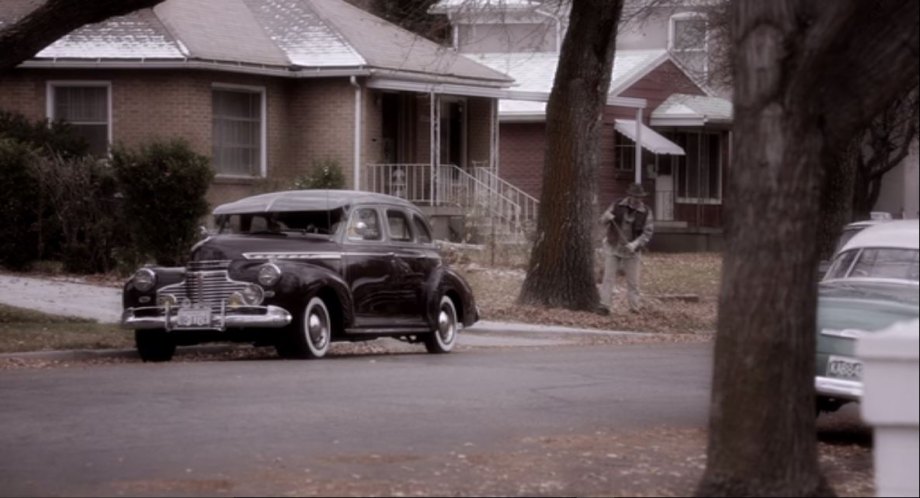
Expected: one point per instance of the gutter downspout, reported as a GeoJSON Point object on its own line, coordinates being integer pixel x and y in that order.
{"type": "Point", "coordinates": [358, 117]}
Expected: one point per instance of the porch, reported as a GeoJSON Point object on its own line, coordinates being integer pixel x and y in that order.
{"type": "Point", "coordinates": [463, 204]}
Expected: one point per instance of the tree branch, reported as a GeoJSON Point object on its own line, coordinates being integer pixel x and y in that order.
{"type": "Point", "coordinates": [22, 39]}
{"type": "Point", "coordinates": [858, 70]}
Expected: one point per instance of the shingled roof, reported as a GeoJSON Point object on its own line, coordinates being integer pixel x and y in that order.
{"type": "Point", "coordinates": [289, 37]}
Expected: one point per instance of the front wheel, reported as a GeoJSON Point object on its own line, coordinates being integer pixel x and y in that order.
{"type": "Point", "coordinates": [441, 340]}
{"type": "Point", "coordinates": [154, 345]}
{"type": "Point", "coordinates": [310, 334]}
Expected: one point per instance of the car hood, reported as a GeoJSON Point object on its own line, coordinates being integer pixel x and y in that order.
{"type": "Point", "coordinates": [233, 247]}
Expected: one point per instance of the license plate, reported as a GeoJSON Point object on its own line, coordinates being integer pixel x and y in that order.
{"type": "Point", "coordinates": [193, 318]}
{"type": "Point", "coordinates": [844, 368]}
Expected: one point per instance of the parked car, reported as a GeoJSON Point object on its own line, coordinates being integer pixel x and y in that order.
{"type": "Point", "coordinates": [871, 284]}
{"type": "Point", "coordinates": [299, 270]}
{"type": "Point", "coordinates": [847, 233]}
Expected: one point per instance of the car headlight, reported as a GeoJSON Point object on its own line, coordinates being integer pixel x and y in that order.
{"type": "Point", "coordinates": [251, 295]}
{"type": "Point", "coordinates": [144, 279]}
{"type": "Point", "coordinates": [269, 274]}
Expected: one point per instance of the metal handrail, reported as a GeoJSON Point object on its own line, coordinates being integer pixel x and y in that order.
{"type": "Point", "coordinates": [450, 185]}
{"type": "Point", "coordinates": [529, 204]}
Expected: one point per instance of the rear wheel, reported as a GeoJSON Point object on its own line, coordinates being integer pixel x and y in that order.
{"type": "Point", "coordinates": [442, 339]}
{"type": "Point", "coordinates": [154, 345]}
{"type": "Point", "coordinates": [310, 334]}
{"type": "Point", "coordinates": [826, 405]}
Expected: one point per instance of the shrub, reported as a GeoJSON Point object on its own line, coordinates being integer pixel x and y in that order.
{"type": "Point", "coordinates": [57, 137]}
{"type": "Point", "coordinates": [164, 186]}
{"type": "Point", "coordinates": [19, 194]}
{"type": "Point", "coordinates": [81, 193]}
{"type": "Point", "coordinates": [324, 174]}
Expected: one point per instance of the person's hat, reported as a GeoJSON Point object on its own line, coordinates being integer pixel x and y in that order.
{"type": "Point", "coordinates": [636, 190]}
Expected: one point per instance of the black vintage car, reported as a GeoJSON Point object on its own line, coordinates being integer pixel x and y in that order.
{"type": "Point", "coordinates": [299, 270]}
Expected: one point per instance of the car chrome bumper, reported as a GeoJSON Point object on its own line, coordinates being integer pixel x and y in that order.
{"type": "Point", "coordinates": [839, 388]}
{"type": "Point", "coordinates": [158, 317]}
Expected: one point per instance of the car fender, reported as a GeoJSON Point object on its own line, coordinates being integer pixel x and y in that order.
{"type": "Point", "coordinates": [130, 296]}
{"type": "Point", "coordinates": [442, 280]}
{"type": "Point", "coordinates": [300, 280]}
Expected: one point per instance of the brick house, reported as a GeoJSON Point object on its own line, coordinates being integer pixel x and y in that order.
{"type": "Point", "coordinates": [267, 88]}
{"type": "Point", "coordinates": [684, 127]}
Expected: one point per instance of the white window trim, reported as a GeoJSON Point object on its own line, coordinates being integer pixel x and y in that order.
{"type": "Point", "coordinates": [263, 126]}
{"type": "Point", "coordinates": [49, 100]}
{"type": "Point", "coordinates": [683, 16]}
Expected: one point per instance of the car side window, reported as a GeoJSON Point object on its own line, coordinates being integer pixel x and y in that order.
{"type": "Point", "coordinates": [421, 229]}
{"type": "Point", "coordinates": [364, 225]}
{"type": "Point", "coordinates": [886, 263]}
{"type": "Point", "coordinates": [399, 226]}
{"type": "Point", "coordinates": [842, 264]}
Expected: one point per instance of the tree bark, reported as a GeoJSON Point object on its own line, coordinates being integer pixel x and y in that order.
{"type": "Point", "coordinates": [797, 64]}
{"type": "Point", "coordinates": [52, 20]}
{"type": "Point", "coordinates": [837, 201]}
{"type": "Point", "coordinates": [561, 269]}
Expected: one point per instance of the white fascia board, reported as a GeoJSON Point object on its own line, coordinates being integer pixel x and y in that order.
{"type": "Point", "coordinates": [435, 87]}
{"type": "Point", "coordinates": [522, 117]}
{"type": "Point", "coordinates": [483, 91]}
{"type": "Point", "coordinates": [678, 121]}
{"type": "Point", "coordinates": [263, 70]}
{"type": "Point", "coordinates": [635, 78]}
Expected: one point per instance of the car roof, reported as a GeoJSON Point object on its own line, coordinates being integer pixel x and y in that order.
{"type": "Point", "coordinates": [903, 234]}
{"type": "Point", "coordinates": [307, 200]}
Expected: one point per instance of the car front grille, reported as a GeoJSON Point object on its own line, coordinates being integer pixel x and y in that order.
{"type": "Point", "coordinates": [204, 288]}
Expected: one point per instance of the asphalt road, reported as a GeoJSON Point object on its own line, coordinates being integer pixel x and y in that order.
{"type": "Point", "coordinates": [231, 426]}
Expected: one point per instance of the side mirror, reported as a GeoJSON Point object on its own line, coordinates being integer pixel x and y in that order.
{"type": "Point", "coordinates": [203, 232]}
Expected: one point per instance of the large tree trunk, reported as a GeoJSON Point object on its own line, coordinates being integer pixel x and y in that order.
{"type": "Point", "coordinates": [837, 201]}
{"type": "Point", "coordinates": [561, 271]}
{"type": "Point", "coordinates": [798, 63]}
{"type": "Point", "coordinates": [52, 20]}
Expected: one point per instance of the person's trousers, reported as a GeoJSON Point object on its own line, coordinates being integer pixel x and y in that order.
{"type": "Point", "coordinates": [630, 267]}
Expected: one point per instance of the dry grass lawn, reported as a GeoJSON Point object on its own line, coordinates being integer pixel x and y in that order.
{"type": "Point", "coordinates": [680, 293]}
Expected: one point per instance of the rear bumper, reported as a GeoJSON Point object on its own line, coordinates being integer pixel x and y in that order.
{"type": "Point", "coordinates": [838, 388]}
{"type": "Point", "coordinates": [158, 317]}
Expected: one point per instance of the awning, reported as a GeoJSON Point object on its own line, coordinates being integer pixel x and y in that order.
{"type": "Point", "coordinates": [651, 140]}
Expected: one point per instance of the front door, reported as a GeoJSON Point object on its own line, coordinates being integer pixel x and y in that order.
{"type": "Point", "coordinates": [369, 270]}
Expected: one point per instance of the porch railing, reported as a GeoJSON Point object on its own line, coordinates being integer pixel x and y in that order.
{"type": "Point", "coordinates": [528, 205]}
{"type": "Point", "coordinates": [479, 195]}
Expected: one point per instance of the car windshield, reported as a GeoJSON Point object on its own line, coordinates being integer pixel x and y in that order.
{"type": "Point", "coordinates": [845, 237]}
{"type": "Point", "coordinates": [898, 264]}
{"type": "Point", "coordinates": [282, 223]}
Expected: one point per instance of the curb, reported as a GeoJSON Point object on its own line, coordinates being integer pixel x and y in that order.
{"type": "Point", "coordinates": [481, 328]}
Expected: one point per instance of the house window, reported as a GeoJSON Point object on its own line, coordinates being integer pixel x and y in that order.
{"type": "Point", "coordinates": [238, 131]}
{"type": "Point", "coordinates": [624, 150]}
{"type": "Point", "coordinates": [688, 41]}
{"type": "Point", "coordinates": [698, 174]}
{"type": "Point", "coordinates": [86, 107]}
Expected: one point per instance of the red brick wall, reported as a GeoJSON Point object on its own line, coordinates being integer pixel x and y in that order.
{"type": "Point", "coordinates": [522, 145]}
{"type": "Point", "coordinates": [307, 119]}
{"type": "Point", "coordinates": [521, 151]}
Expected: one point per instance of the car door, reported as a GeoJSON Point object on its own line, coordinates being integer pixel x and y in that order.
{"type": "Point", "coordinates": [369, 270]}
{"type": "Point", "coordinates": [413, 255]}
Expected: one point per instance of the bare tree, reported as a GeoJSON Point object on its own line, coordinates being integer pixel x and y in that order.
{"type": "Point", "coordinates": [881, 147]}
{"type": "Point", "coordinates": [561, 269]}
{"type": "Point", "coordinates": [22, 39]}
{"type": "Point", "coordinates": [808, 75]}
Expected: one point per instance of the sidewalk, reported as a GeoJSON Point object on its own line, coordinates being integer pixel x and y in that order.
{"type": "Point", "coordinates": [103, 304]}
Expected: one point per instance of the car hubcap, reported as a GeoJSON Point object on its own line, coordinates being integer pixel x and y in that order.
{"type": "Point", "coordinates": [446, 325]}
{"type": "Point", "coordinates": [317, 328]}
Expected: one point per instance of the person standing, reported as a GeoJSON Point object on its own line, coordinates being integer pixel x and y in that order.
{"type": "Point", "coordinates": [629, 226]}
